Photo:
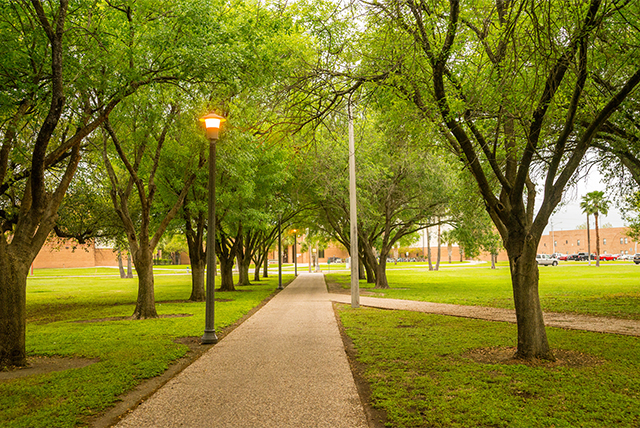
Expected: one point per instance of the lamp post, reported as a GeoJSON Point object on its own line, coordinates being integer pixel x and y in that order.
{"type": "Point", "coordinates": [280, 287]}
{"type": "Point", "coordinates": [295, 252]}
{"type": "Point", "coordinates": [212, 123]}
{"type": "Point", "coordinates": [353, 216]}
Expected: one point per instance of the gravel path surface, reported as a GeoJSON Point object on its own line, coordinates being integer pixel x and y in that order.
{"type": "Point", "coordinates": [553, 319]}
{"type": "Point", "coordinates": [284, 367]}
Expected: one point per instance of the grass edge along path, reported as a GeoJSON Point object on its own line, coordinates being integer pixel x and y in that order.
{"type": "Point", "coordinates": [613, 290]}
{"type": "Point", "coordinates": [129, 352]}
{"type": "Point", "coordinates": [420, 373]}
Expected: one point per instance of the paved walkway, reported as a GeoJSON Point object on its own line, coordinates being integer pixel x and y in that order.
{"type": "Point", "coordinates": [552, 319]}
{"type": "Point", "coordinates": [283, 367]}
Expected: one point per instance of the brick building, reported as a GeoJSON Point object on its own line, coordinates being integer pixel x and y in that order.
{"type": "Point", "coordinates": [613, 240]}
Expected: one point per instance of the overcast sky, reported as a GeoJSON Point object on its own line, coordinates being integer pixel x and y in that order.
{"type": "Point", "coordinates": [569, 215]}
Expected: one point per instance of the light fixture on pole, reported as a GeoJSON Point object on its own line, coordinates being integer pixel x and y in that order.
{"type": "Point", "coordinates": [212, 123]}
{"type": "Point", "coordinates": [295, 251]}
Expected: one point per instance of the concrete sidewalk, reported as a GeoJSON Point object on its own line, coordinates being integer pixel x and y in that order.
{"type": "Point", "coordinates": [283, 367]}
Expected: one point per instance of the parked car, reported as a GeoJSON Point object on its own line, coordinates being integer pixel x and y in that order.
{"type": "Point", "coordinates": [636, 259]}
{"type": "Point", "coordinates": [573, 257]}
{"type": "Point", "coordinates": [608, 257]}
{"type": "Point", "coordinates": [546, 260]}
{"type": "Point", "coordinates": [562, 257]}
{"type": "Point", "coordinates": [628, 257]}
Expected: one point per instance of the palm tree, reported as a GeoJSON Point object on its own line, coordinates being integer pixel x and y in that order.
{"type": "Point", "coordinates": [586, 209]}
{"type": "Point", "coordinates": [598, 205]}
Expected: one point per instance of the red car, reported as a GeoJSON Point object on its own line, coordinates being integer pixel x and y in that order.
{"type": "Point", "coordinates": [608, 257]}
{"type": "Point", "coordinates": [563, 257]}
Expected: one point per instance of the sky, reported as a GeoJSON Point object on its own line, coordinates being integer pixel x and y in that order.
{"type": "Point", "coordinates": [569, 215]}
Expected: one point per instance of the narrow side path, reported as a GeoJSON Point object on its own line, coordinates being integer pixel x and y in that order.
{"type": "Point", "coordinates": [552, 319]}
{"type": "Point", "coordinates": [284, 367]}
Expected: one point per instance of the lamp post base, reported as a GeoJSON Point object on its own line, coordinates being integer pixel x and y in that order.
{"type": "Point", "coordinates": [209, 337]}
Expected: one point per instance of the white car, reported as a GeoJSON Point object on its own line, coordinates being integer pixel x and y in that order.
{"type": "Point", "coordinates": [546, 260]}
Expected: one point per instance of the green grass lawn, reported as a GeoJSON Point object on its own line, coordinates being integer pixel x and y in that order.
{"type": "Point", "coordinates": [613, 289]}
{"type": "Point", "coordinates": [128, 351]}
{"type": "Point", "coordinates": [420, 376]}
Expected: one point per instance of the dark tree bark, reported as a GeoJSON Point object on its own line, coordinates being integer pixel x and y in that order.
{"type": "Point", "coordinates": [121, 265]}
{"type": "Point", "coordinates": [197, 251]}
{"type": "Point", "coordinates": [226, 248]}
{"type": "Point", "coordinates": [129, 267]}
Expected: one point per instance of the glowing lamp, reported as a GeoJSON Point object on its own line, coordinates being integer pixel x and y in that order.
{"type": "Point", "coordinates": [212, 122]}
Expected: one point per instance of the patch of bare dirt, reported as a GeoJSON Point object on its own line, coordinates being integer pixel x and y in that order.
{"type": "Point", "coordinates": [42, 365]}
{"type": "Point", "coordinates": [505, 355]}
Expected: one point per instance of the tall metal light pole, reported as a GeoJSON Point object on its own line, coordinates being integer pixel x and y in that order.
{"type": "Point", "coordinates": [295, 253]}
{"type": "Point", "coordinates": [355, 265]}
{"type": "Point", "coordinates": [280, 287]}
{"type": "Point", "coordinates": [212, 122]}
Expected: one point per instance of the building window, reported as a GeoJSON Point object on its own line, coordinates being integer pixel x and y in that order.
{"type": "Point", "coordinates": [566, 242]}
{"type": "Point", "coordinates": [578, 242]}
{"type": "Point", "coordinates": [626, 240]}
{"type": "Point", "coordinates": [555, 243]}
{"type": "Point", "coordinates": [622, 241]}
{"type": "Point", "coordinates": [604, 241]}
{"type": "Point", "coordinates": [321, 254]}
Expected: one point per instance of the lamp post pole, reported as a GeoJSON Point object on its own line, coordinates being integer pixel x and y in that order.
{"type": "Point", "coordinates": [280, 252]}
{"type": "Point", "coordinates": [295, 252]}
{"type": "Point", "coordinates": [353, 216]}
{"type": "Point", "coordinates": [212, 123]}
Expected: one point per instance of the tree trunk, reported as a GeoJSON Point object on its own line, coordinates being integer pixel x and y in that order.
{"type": "Point", "coordinates": [493, 260]}
{"type": "Point", "coordinates": [595, 216]}
{"type": "Point", "coordinates": [429, 250]}
{"type": "Point", "coordinates": [265, 270]}
{"type": "Point", "coordinates": [362, 274]}
{"type": "Point", "coordinates": [146, 303]}
{"type": "Point", "coordinates": [532, 336]}
{"type": "Point", "coordinates": [226, 274]}
{"type": "Point", "coordinates": [449, 250]}
{"type": "Point", "coordinates": [121, 266]}
{"type": "Point", "coordinates": [197, 280]}
{"type": "Point", "coordinates": [129, 269]}
{"type": "Point", "coordinates": [439, 247]}
{"type": "Point", "coordinates": [13, 309]}
{"type": "Point", "coordinates": [381, 272]}
{"type": "Point", "coordinates": [256, 272]}
{"type": "Point", "coordinates": [244, 263]}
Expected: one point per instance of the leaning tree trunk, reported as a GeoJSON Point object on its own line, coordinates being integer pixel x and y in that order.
{"type": "Point", "coordinates": [14, 268]}
{"type": "Point", "coordinates": [362, 274]}
{"type": "Point", "coordinates": [146, 303]}
{"type": "Point", "coordinates": [532, 336]}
